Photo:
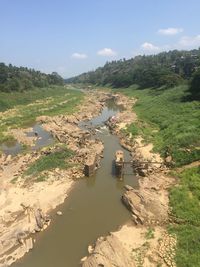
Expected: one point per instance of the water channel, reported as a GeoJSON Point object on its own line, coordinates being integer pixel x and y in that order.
{"type": "Point", "coordinates": [92, 209]}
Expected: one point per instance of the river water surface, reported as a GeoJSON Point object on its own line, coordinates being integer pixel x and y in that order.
{"type": "Point", "coordinates": [92, 209]}
{"type": "Point", "coordinates": [44, 138]}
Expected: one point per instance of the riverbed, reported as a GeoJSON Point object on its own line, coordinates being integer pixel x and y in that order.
{"type": "Point", "coordinates": [93, 208]}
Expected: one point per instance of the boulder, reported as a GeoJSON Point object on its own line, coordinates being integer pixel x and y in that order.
{"type": "Point", "coordinates": [110, 252]}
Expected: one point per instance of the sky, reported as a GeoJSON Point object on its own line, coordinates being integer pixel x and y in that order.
{"type": "Point", "coordinates": [75, 36]}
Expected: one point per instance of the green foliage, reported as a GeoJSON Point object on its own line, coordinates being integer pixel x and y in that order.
{"type": "Point", "coordinates": [21, 79]}
{"type": "Point", "coordinates": [133, 129]}
{"type": "Point", "coordinates": [150, 233]}
{"type": "Point", "coordinates": [168, 121]}
{"type": "Point", "coordinates": [188, 246]}
{"type": "Point", "coordinates": [51, 161]}
{"type": "Point", "coordinates": [167, 69]}
{"type": "Point", "coordinates": [185, 202]}
{"type": "Point", "coordinates": [185, 198]}
{"type": "Point", "coordinates": [195, 85]}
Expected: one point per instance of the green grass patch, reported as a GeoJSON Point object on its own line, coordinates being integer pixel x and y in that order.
{"type": "Point", "coordinates": [29, 105]}
{"type": "Point", "coordinates": [185, 198]}
{"type": "Point", "coordinates": [57, 159]}
{"type": "Point", "coordinates": [167, 120]}
{"type": "Point", "coordinates": [150, 233]}
{"type": "Point", "coordinates": [188, 246]}
{"type": "Point", "coordinates": [185, 204]}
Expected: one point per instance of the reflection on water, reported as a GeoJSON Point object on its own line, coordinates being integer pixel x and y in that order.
{"type": "Point", "coordinates": [92, 209]}
{"type": "Point", "coordinates": [11, 148]}
{"type": "Point", "coordinates": [44, 138]}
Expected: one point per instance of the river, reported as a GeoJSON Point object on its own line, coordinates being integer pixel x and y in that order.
{"type": "Point", "coordinates": [93, 209]}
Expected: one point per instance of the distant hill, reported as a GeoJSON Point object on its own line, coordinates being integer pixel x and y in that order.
{"type": "Point", "coordinates": [20, 78]}
{"type": "Point", "coordinates": [165, 69]}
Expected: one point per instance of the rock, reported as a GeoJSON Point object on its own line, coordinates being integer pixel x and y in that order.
{"type": "Point", "coordinates": [128, 187]}
{"type": "Point", "coordinates": [21, 237]}
{"type": "Point", "coordinates": [39, 217]}
{"type": "Point", "coordinates": [90, 249]}
{"type": "Point", "coordinates": [133, 202]}
{"type": "Point", "coordinates": [83, 259]}
{"type": "Point", "coordinates": [108, 252]}
{"type": "Point", "coordinates": [29, 244]}
{"type": "Point", "coordinates": [9, 157]}
{"type": "Point", "coordinates": [59, 213]}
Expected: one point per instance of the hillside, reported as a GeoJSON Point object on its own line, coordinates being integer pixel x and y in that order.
{"type": "Point", "coordinates": [165, 69]}
{"type": "Point", "coordinates": [20, 78]}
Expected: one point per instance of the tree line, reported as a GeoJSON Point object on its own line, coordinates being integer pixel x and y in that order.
{"type": "Point", "coordinates": [167, 69]}
{"type": "Point", "coordinates": [20, 78]}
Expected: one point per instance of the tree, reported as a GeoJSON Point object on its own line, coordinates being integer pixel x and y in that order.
{"type": "Point", "coordinates": [195, 85]}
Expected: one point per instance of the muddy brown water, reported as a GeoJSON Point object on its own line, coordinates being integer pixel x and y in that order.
{"type": "Point", "coordinates": [93, 209]}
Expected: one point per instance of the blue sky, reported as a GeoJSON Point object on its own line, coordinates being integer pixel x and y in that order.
{"type": "Point", "coordinates": [75, 36]}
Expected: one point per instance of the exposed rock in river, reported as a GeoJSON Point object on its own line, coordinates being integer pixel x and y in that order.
{"type": "Point", "coordinates": [109, 252]}
{"type": "Point", "coordinates": [149, 203]}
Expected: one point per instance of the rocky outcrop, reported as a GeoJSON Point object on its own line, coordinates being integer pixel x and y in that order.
{"type": "Point", "coordinates": [108, 252]}
{"type": "Point", "coordinates": [149, 203]}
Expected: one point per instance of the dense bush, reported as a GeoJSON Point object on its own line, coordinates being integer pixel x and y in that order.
{"type": "Point", "coordinates": [195, 85]}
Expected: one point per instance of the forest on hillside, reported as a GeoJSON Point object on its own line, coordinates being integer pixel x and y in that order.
{"type": "Point", "coordinates": [164, 69]}
{"type": "Point", "coordinates": [21, 79]}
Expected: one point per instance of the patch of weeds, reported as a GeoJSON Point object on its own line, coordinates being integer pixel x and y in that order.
{"type": "Point", "coordinates": [150, 233]}
{"type": "Point", "coordinates": [41, 178]}
{"type": "Point", "coordinates": [14, 180]}
{"type": "Point", "coordinates": [51, 161]}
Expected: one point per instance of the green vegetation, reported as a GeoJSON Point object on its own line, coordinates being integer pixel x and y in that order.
{"type": "Point", "coordinates": [50, 161]}
{"type": "Point", "coordinates": [28, 105]}
{"type": "Point", "coordinates": [168, 121]}
{"type": "Point", "coordinates": [184, 200]}
{"type": "Point", "coordinates": [195, 85]}
{"type": "Point", "coordinates": [150, 233]}
{"type": "Point", "coordinates": [20, 79]}
{"type": "Point", "coordinates": [166, 69]}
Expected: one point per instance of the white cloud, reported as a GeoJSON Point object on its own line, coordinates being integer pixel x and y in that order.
{"type": "Point", "coordinates": [189, 41]}
{"type": "Point", "coordinates": [79, 56]}
{"type": "Point", "coordinates": [150, 47]}
{"type": "Point", "coordinates": [170, 31]}
{"type": "Point", "coordinates": [107, 52]}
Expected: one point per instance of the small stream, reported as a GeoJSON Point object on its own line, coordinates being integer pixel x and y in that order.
{"type": "Point", "coordinates": [92, 209]}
